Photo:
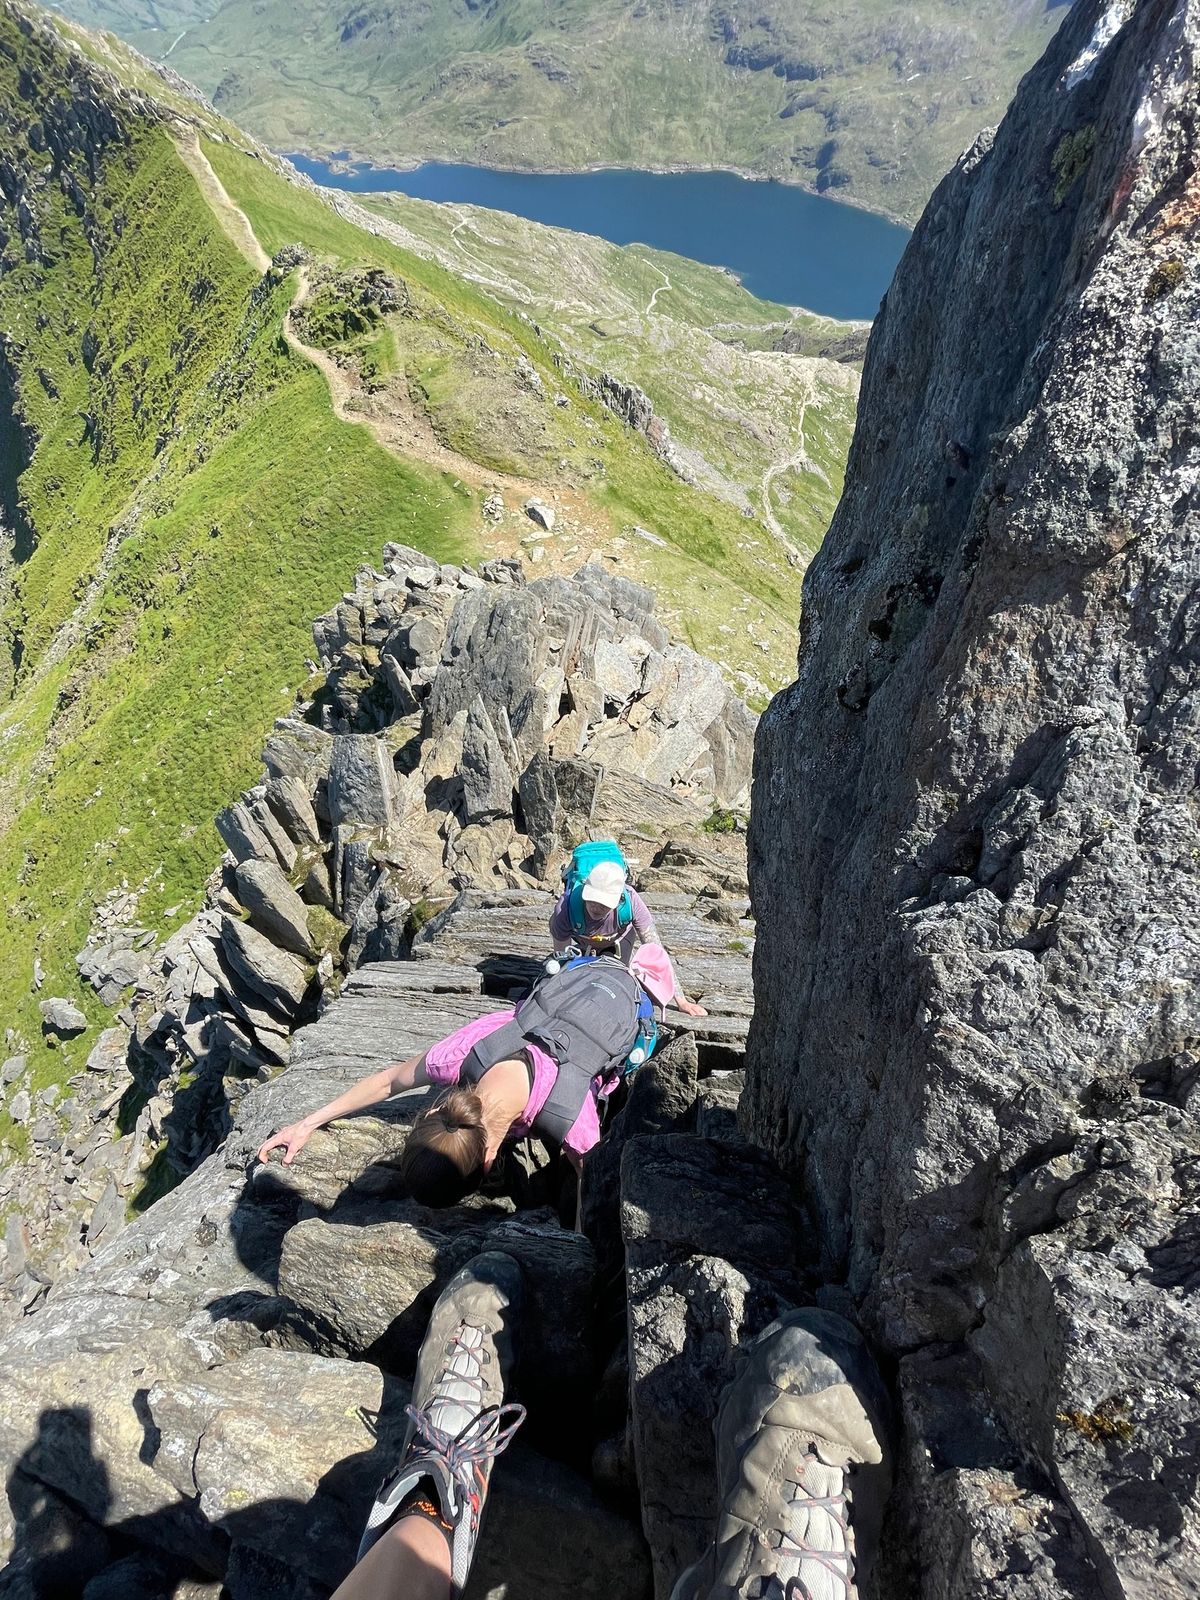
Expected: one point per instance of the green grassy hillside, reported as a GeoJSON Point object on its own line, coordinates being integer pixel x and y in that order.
{"type": "Point", "coordinates": [872, 99]}
{"type": "Point", "coordinates": [190, 503]}
{"type": "Point", "coordinates": [181, 492]}
{"type": "Point", "coordinates": [759, 427]}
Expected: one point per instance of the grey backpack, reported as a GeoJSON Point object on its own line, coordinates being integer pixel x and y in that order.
{"type": "Point", "coordinates": [588, 1016]}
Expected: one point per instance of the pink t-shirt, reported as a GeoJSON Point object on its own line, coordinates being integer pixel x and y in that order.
{"type": "Point", "coordinates": [443, 1062]}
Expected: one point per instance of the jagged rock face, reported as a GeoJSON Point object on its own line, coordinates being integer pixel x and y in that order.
{"type": "Point", "coordinates": [973, 848]}
{"type": "Point", "coordinates": [187, 1392]}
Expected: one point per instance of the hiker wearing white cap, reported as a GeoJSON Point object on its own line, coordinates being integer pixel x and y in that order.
{"type": "Point", "coordinates": [600, 912]}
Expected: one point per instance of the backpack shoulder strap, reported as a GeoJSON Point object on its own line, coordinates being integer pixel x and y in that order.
{"type": "Point", "coordinates": [502, 1045]}
{"type": "Point", "coordinates": [576, 915]}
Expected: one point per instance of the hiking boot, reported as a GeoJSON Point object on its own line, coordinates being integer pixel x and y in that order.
{"type": "Point", "coordinates": [458, 1422]}
{"type": "Point", "coordinates": [802, 1468]}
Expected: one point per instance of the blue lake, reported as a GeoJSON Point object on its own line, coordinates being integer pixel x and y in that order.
{"type": "Point", "coordinates": [784, 244]}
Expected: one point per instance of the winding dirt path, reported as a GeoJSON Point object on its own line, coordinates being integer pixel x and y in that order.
{"type": "Point", "coordinates": [389, 415]}
{"type": "Point", "coordinates": [662, 288]}
{"type": "Point", "coordinates": [797, 462]}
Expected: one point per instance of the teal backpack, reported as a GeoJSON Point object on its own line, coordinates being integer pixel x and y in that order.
{"type": "Point", "coordinates": [583, 858]}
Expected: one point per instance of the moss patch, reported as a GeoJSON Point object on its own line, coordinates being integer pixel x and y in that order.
{"type": "Point", "coordinates": [1165, 279]}
{"type": "Point", "coordinates": [1071, 156]}
{"type": "Point", "coordinates": [1109, 1423]}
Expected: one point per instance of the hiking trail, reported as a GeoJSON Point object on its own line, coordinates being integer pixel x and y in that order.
{"type": "Point", "coordinates": [394, 421]}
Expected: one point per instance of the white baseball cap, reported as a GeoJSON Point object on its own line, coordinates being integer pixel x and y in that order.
{"type": "Point", "coordinates": [604, 885]}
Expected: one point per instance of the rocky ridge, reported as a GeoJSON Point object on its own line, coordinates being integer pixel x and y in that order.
{"type": "Point", "coordinates": [204, 1408]}
{"type": "Point", "coordinates": [973, 844]}
{"type": "Point", "coordinates": [464, 730]}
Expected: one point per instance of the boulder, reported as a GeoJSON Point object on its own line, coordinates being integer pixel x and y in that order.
{"type": "Point", "coordinates": [282, 848]}
{"type": "Point", "coordinates": [404, 562]}
{"type": "Point", "coordinates": [298, 749]}
{"type": "Point", "coordinates": [274, 907]}
{"type": "Point", "coordinates": [400, 687]}
{"type": "Point", "coordinates": [290, 800]}
{"type": "Point", "coordinates": [538, 511]}
{"type": "Point", "coordinates": [487, 779]}
{"type": "Point", "coordinates": [362, 782]}
{"type": "Point", "coordinates": [279, 978]}
{"type": "Point", "coordinates": [62, 1017]}
{"type": "Point", "coordinates": [537, 793]}
{"type": "Point", "coordinates": [365, 1287]}
{"type": "Point", "coordinates": [242, 835]}
{"type": "Point", "coordinates": [317, 890]}
{"type": "Point", "coordinates": [354, 1157]}
{"type": "Point", "coordinates": [269, 1029]}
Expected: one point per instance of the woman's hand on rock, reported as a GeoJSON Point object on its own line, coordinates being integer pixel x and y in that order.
{"type": "Point", "coordinates": [692, 1008]}
{"type": "Point", "coordinates": [292, 1138]}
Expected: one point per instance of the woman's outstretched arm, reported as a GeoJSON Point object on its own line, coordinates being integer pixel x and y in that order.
{"type": "Point", "coordinates": [367, 1092]}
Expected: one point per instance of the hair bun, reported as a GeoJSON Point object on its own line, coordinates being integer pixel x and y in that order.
{"type": "Point", "coordinates": [462, 1108]}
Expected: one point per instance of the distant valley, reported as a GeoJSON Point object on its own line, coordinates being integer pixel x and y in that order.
{"type": "Point", "coordinates": [870, 101]}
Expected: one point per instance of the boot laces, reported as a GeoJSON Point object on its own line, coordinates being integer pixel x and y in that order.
{"type": "Point", "coordinates": [488, 1433]}
{"type": "Point", "coordinates": [838, 1563]}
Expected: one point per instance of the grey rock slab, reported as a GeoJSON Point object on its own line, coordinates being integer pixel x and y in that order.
{"type": "Point", "coordinates": [274, 906]}
{"type": "Point", "coordinates": [404, 561]}
{"type": "Point", "coordinates": [352, 1155]}
{"type": "Point", "coordinates": [622, 796]}
{"type": "Point", "coordinates": [366, 1288]}
{"type": "Point", "coordinates": [299, 749]}
{"type": "Point", "coordinates": [717, 1103]}
{"type": "Point", "coordinates": [386, 1029]}
{"type": "Point", "coordinates": [398, 980]}
{"type": "Point", "coordinates": [682, 1196]}
{"type": "Point", "coordinates": [110, 1052]}
{"type": "Point", "coordinates": [242, 835]}
{"type": "Point", "coordinates": [279, 978]}
{"type": "Point", "coordinates": [108, 1216]}
{"type": "Point", "coordinates": [269, 1028]}
{"type": "Point", "coordinates": [662, 1097]}
{"type": "Point", "coordinates": [487, 779]}
{"type": "Point", "coordinates": [277, 1446]}
{"type": "Point", "coordinates": [404, 696]}
{"type": "Point", "coordinates": [317, 890]}
{"type": "Point", "coordinates": [283, 849]}
{"type": "Point", "coordinates": [538, 511]}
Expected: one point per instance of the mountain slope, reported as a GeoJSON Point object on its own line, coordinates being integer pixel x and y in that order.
{"type": "Point", "coordinates": [873, 100]}
{"type": "Point", "coordinates": [196, 456]}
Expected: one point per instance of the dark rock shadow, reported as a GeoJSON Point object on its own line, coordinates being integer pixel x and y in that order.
{"type": "Point", "coordinates": [66, 1548]}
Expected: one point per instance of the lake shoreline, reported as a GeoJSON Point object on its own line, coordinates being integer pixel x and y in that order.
{"type": "Point", "coordinates": [713, 216]}
{"type": "Point", "coordinates": [348, 163]}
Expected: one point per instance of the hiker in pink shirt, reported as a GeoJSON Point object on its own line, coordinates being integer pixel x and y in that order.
{"type": "Point", "coordinates": [495, 1088]}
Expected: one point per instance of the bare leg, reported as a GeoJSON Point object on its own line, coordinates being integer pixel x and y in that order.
{"type": "Point", "coordinates": [410, 1562]}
